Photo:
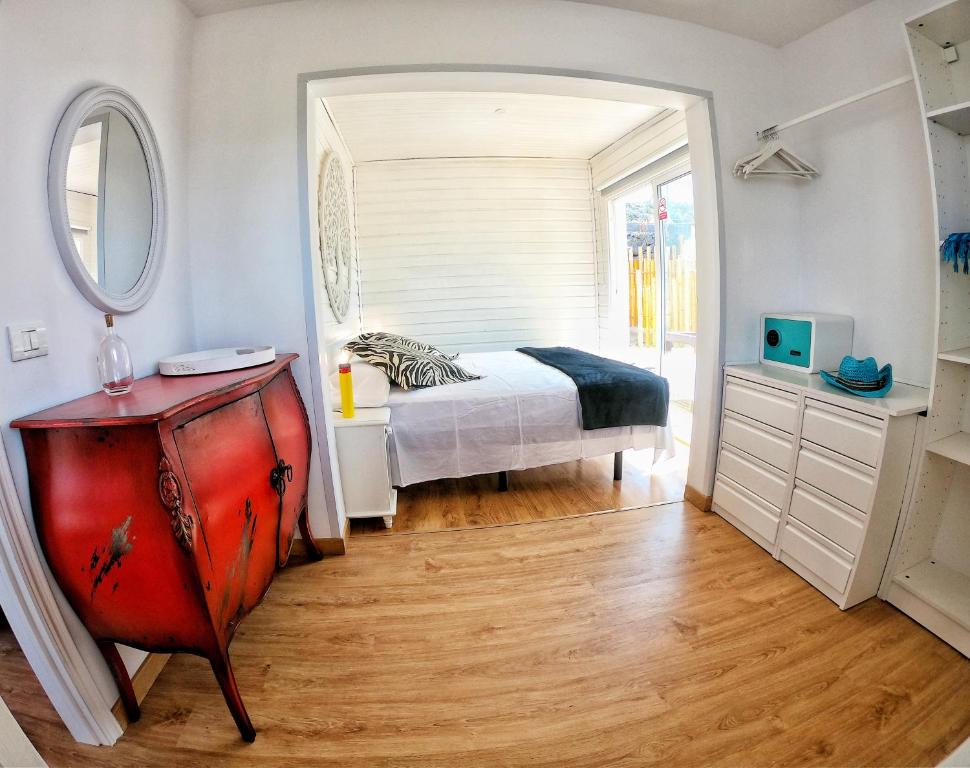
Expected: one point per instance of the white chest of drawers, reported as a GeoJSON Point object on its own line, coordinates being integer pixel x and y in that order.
{"type": "Point", "coordinates": [814, 475]}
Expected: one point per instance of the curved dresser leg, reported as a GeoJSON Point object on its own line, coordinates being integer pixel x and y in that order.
{"type": "Point", "coordinates": [120, 674]}
{"type": "Point", "coordinates": [227, 682]}
{"type": "Point", "coordinates": [311, 544]}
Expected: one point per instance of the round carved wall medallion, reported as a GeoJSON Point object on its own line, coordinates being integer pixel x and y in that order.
{"type": "Point", "coordinates": [336, 248]}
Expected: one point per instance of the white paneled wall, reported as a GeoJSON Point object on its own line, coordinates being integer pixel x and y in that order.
{"type": "Point", "coordinates": [328, 139]}
{"type": "Point", "coordinates": [478, 253]}
{"type": "Point", "coordinates": [638, 149]}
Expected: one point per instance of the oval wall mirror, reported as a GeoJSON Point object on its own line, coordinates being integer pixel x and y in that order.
{"type": "Point", "coordinates": [106, 194]}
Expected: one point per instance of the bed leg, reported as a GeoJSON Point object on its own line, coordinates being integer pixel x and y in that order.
{"type": "Point", "coordinates": [503, 482]}
{"type": "Point", "coordinates": [617, 466]}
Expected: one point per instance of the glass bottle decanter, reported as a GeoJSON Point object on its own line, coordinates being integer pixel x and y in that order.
{"type": "Point", "coordinates": [114, 362]}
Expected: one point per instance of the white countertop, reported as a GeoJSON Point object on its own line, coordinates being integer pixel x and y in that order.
{"type": "Point", "coordinates": [902, 400]}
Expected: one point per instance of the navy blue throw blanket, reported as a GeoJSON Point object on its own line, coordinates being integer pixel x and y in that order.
{"type": "Point", "coordinates": [611, 393]}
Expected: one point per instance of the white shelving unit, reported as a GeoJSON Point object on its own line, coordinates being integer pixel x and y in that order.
{"type": "Point", "coordinates": [961, 355]}
{"type": "Point", "coordinates": [955, 447]}
{"type": "Point", "coordinates": [946, 588]}
{"type": "Point", "coordinates": [928, 576]}
{"type": "Point", "coordinates": [956, 118]}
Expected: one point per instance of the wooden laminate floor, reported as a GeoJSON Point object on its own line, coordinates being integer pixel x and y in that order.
{"type": "Point", "coordinates": [543, 493]}
{"type": "Point", "coordinates": [657, 636]}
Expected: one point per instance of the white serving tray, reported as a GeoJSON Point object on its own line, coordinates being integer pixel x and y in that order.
{"type": "Point", "coordinates": [215, 360]}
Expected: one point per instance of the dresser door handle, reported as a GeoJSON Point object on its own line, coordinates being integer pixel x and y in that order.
{"type": "Point", "coordinates": [280, 475]}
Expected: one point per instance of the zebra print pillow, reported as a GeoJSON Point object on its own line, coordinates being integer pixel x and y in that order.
{"type": "Point", "coordinates": [393, 341]}
{"type": "Point", "coordinates": [409, 363]}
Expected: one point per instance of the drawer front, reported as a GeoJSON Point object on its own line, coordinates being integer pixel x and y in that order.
{"type": "Point", "coordinates": [805, 547]}
{"type": "Point", "coordinates": [365, 469]}
{"type": "Point", "coordinates": [767, 483]}
{"type": "Point", "coordinates": [759, 516]}
{"type": "Point", "coordinates": [819, 515]}
{"type": "Point", "coordinates": [844, 432]}
{"type": "Point", "coordinates": [761, 404]}
{"type": "Point", "coordinates": [760, 443]}
{"type": "Point", "coordinates": [835, 478]}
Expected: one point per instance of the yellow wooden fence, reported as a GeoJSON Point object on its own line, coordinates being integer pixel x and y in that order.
{"type": "Point", "coordinates": [681, 303]}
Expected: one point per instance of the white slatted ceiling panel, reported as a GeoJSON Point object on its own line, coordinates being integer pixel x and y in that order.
{"type": "Point", "coordinates": [478, 253]}
{"type": "Point", "coordinates": [639, 148]}
{"type": "Point", "coordinates": [636, 150]}
{"type": "Point", "coordinates": [402, 126]}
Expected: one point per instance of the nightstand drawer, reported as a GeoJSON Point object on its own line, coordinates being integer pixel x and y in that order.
{"type": "Point", "coordinates": [824, 517]}
{"type": "Point", "coordinates": [362, 444]}
{"type": "Point", "coordinates": [851, 434]}
{"type": "Point", "coordinates": [809, 549]}
{"type": "Point", "coordinates": [837, 478]}
{"type": "Point", "coordinates": [771, 446]}
{"type": "Point", "coordinates": [774, 407]}
{"type": "Point", "coordinates": [759, 478]}
{"type": "Point", "coordinates": [755, 513]}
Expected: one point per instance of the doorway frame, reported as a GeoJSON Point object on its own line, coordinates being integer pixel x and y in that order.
{"type": "Point", "coordinates": [705, 162]}
{"type": "Point", "coordinates": [30, 605]}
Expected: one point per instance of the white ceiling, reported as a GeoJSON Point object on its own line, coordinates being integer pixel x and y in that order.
{"type": "Point", "coordinates": [394, 126]}
{"type": "Point", "coordinates": [775, 22]}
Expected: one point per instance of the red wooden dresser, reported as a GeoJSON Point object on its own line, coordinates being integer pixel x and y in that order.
{"type": "Point", "coordinates": [165, 513]}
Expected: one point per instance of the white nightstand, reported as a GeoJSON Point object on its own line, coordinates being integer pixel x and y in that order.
{"type": "Point", "coordinates": [364, 456]}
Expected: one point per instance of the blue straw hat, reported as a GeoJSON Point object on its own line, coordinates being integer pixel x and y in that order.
{"type": "Point", "coordinates": [861, 377]}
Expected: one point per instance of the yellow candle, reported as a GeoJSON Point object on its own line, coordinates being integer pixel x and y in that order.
{"type": "Point", "coordinates": [346, 391]}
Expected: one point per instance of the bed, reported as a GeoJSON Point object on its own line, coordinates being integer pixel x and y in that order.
{"type": "Point", "coordinates": [521, 414]}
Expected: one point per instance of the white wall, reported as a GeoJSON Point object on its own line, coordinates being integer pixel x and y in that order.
{"type": "Point", "coordinates": [327, 517]}
{"type": "Point", "coordinates": [473, 254]}
{"type": "Point", "coordinates": [43, 65]}
{"type": "Point", "coordinates": [860, 244]}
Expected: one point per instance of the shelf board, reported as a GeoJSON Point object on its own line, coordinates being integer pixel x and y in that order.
{"type": "Point", "coordinates": [955, 117]}
{"type": "Point", "coordinates": [956, 447]}
{"type": "Point", "coordinates": [949, 23]}
{"type": "Point", "coordinates": [945, 589]}
{"type": "Point", "coordinates": [961, 355]}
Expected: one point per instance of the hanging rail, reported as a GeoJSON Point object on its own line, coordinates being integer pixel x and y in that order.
{"type": "Point", "coordinates": [774, 130]}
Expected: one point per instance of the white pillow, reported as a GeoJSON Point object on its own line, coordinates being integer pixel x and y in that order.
{"type": "Point", "coordinates": [372, 388]}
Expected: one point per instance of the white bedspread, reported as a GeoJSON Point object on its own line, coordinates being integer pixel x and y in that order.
{"type": "Point", "coordinates": [522, 414]}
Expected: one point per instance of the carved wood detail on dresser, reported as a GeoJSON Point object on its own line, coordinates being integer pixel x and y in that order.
{"type": "Point", "coordinates": [165, 513]}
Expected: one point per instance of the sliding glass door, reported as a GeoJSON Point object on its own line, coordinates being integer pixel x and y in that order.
{"type": "Point", "coordinates": [654, 279]}
{"type": "Point", "coordinates": [675, 214]}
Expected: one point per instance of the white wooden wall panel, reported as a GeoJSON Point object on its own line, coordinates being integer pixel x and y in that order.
{"type": "Point", "coordinates": [642, 146]}
{"type": "Point", "coordinates": [328, 139]}
{"type": "Point", "coordinates": [478, 253]}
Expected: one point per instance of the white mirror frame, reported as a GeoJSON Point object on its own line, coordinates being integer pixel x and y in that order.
{"type": "Point", "coordinates": [88, 102]}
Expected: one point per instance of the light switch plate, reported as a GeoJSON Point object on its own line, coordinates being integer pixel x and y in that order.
{"type": "Point", "coordinates": [27, 340]}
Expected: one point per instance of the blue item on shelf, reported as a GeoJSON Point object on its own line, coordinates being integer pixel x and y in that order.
{"type": "Point", "coordinates": [861, 377]}
{"type": "Point", "coordinates": [956, 248]}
